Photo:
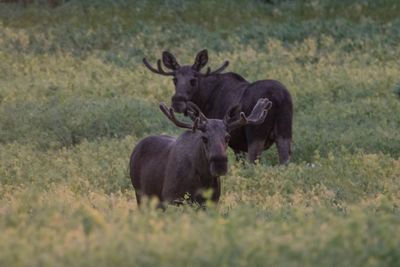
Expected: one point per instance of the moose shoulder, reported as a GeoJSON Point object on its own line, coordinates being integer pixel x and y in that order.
{"type": "Point", "coordinates": [215, 93]}
{"type": "Point", "coordinates": [170, 168]}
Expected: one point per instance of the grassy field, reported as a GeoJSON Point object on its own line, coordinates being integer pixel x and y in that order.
{"type": "Point", "coordinates": [75, 99]}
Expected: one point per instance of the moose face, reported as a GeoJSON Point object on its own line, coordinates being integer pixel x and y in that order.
{"type": "Point", "coordinates": [213, 134]}
{"type": "Point", "coordinates": [185, 78]}
{"type": "Point", "coordinates": [214, 141]}
{"type": "Point", "coordinates": [186, 81]}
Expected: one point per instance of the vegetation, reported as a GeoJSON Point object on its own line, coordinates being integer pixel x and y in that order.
{"type": "Point", "coordinates": [75, 99]}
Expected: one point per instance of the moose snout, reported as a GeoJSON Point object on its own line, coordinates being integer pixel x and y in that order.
{"type": "Point", "coordinates": [218, 165]}
{"type": "Point", "coordinates": [179, 103]}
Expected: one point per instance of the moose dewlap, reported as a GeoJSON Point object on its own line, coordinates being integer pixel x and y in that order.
{"type": "Point", "coordinates": [171, 168]}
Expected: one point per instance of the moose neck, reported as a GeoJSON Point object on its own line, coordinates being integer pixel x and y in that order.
{"type": "Point", "coordinates": [193, 150]}
{"type": "Point", "coordinates": [216, 93]}
{"type": "Point", "coordinates": [203, 96]}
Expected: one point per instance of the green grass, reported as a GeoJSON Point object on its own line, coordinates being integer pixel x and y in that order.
{"type": "Point", "coordinates": [75, 99]}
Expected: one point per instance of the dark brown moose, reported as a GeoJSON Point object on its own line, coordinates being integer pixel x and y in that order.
{"type": "Point", "coordinates": [170, 168]}
{"type": "Point", "coordinates": [215, 93]}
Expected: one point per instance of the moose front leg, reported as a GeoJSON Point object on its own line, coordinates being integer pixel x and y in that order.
{"type": "Point", "coordinates": [216, 189]}
{"type": "Point", "coordinates": [255, 149]}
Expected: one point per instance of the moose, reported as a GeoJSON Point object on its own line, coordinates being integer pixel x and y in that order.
{"type": "Point", "coordinates": [214, 93]}
{"type": "Point", "coordinates": [171, 168]}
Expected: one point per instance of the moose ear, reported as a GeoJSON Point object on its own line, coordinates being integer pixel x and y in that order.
{"type": "Point", "coordinates": [201, 60]}
{"type": "Point", "coordinates": [169, 61]}
{"type": "Point", "coordinates": [233, 114]}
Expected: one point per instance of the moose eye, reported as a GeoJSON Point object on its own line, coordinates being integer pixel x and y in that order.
{"type": "Point", "coordinates": [227, 138]}
{"type": "Point", "coordinates": [193, 82]}
{"type": "Point", "coordinates": [204, 139]}
{"type": "Point", "coordinates": [175, 80]}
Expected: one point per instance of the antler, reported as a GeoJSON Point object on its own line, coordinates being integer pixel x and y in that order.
{"type": "Point", "coordinates": [160, 69]}
{"type": "Point", "coordinates": [220, 69]}
{"type": "Point", "coordinates": [257, 116]}
{"type": "Point", "coordinates": [195, 111]}
{"type": "Point", "coordinates": [169, 112]}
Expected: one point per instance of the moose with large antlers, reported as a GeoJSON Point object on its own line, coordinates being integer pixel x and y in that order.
{"type": "Point", "coordinates": [170, 168]}
{"type": "Point", "coordinates": [214, 93]}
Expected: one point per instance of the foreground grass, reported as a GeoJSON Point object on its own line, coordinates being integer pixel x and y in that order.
{"type": "Point", "coordinates": [106, 230]}
{"type": "Point", "coordinates": [75, 99]}
{"type": "Point", "coordinates": [340, 210]}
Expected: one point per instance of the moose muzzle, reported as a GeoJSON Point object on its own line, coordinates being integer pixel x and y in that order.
{"type": "Point", "coordinates": [218, 165]}
{"type": "Point", "coordinates": [179, 103]}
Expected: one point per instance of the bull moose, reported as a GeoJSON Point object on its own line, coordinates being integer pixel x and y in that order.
{"type": "Point", "coordinates": [169, 167]}
{"type": "Point", "coordinates": [214, 93]}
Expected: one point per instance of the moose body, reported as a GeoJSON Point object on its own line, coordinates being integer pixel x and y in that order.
{"type": "Point", "coordinates": [220, 91]}
{"type": "Point", "coordinates": [215, 93]}
{"type": "Point", "coordinates": [172, 171]}
{"type": "Point", "coordinates": [170, 168]}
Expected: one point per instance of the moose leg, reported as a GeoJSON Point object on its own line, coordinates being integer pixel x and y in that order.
{"type": "Point", "coordinates": [217, 189]}
{"type": "Point", "coordinates": [138, 197]}
{"type": "Point", "coordinates": [255, 148]}
{"type": "Point", "coordinates": [284, 149]}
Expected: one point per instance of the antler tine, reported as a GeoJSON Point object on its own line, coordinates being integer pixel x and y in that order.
{"type": "Point", "coordinates": [192, 106]}
{"type": "Point", "coordinates": [147, 64]}
{"type": "Point", "coordinates": [169, 112]}
{"type": "Point", "coordinates": [220, 69]}
{"type": "Point", "coordinates": [208, 71]}
{"type": "Point", "coordinates": [239, 123]}
{"type": "Point", "coordinates": [259, 112]}
{"type": "Point", "coordinates": [257, 116]}
{"type": "Point", "coordinates": [159, 71]}
{"type": "Point", "coordinates": [196, 124]}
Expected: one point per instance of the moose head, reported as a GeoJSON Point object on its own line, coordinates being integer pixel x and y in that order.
{"type": "Point", "coordinates": [213, 134]}
{"type": "Point", "coordinates": [186, 78]}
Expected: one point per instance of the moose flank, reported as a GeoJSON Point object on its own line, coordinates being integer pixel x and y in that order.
{"type": "Point", "coordinates": [215, 93]}
{"type": "Point", "coordinates": [171, 168]}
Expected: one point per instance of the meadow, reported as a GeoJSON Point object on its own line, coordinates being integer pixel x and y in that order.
{"type": "Point", "coordinates": [75, 99]}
